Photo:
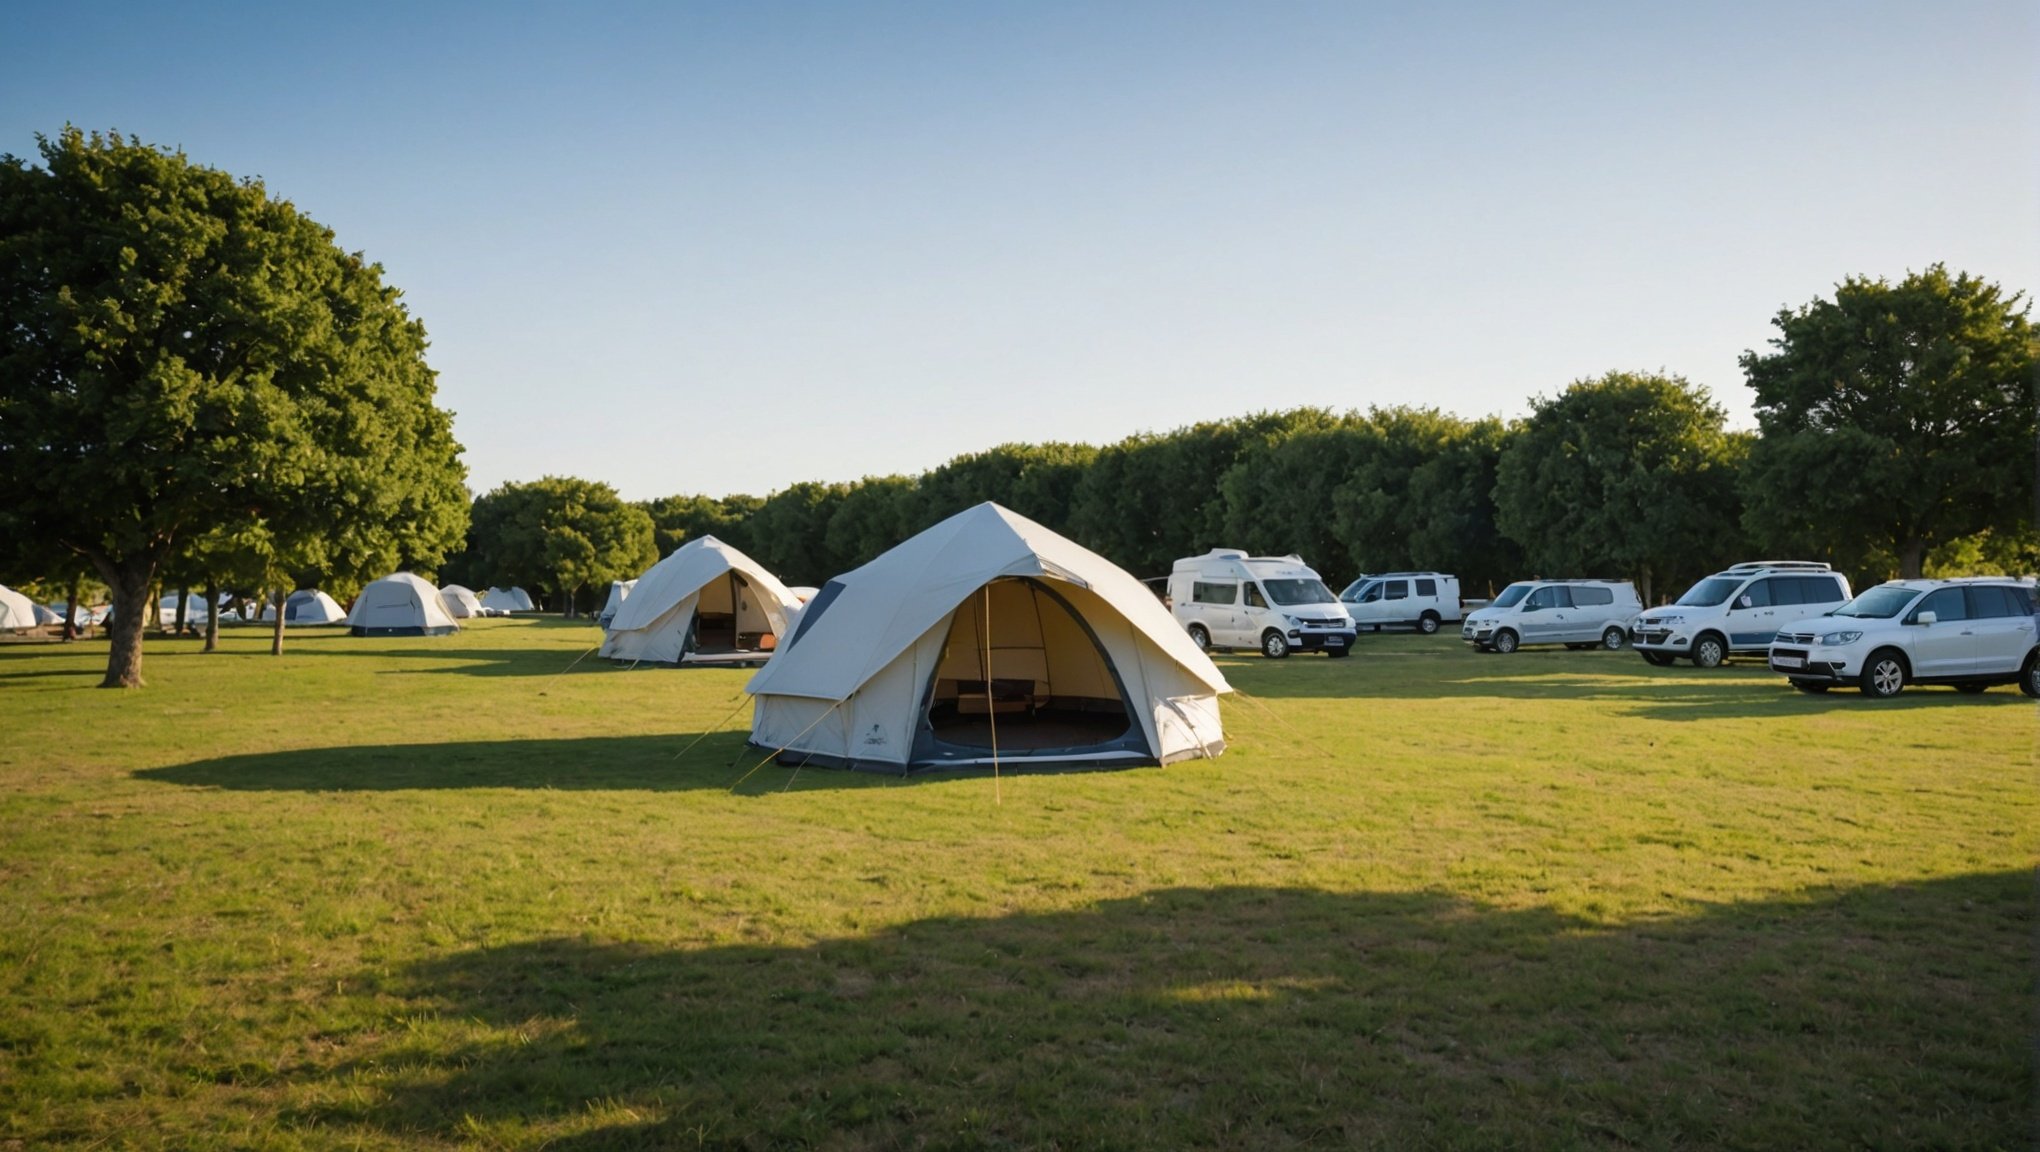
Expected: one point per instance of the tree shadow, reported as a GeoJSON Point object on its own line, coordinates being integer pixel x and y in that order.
{"type": "Point", "coordinates": [1237, 1017]}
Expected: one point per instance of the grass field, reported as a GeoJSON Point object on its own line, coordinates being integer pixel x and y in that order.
{"type": "Point", "coordinates": [442, 893]}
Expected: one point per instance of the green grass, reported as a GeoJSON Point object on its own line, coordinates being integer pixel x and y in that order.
{"type": "Point", "coordinates": [444, 893]}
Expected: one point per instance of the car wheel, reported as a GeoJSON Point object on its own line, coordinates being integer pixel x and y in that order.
{"type": "Point", "coordinates": [1883, 675]}
{"type": "Point", "coordinates": [1660, 659]}
{"type": "Point", "coordinates": [1274, 645]}
{"type": "Point", "coordinates": [1970, 689]}
{"type": "Point", "coordinates": [1811, 687]}
{"type": "Point", "coordinates": [2029, 677]}
{"type": "Point", "coordinates": [1709, 651]}
{"type": "Point", "coordinates": [1505, 641]}
{"type": "Point", "coordinates": [1427, 623]}
{"type": "Point", "coordinates": [1613, 639]}
{"type": "Point", "coordinates": [1200, 637]}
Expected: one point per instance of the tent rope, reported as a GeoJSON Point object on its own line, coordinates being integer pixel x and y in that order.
{"type": "Point", "coordinates": [1297, 732]}
{"type": "Point", "coordinates": [567, 669]}
{"type": "Point", "coordinates": [788, 744]}
{"type": "Point", "coordinates": [712, 731]}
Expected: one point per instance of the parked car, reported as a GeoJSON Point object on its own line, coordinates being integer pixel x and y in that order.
{"type": "Point", "coordinates": [1971, 633]}
{"type": "Point", "coordinates": [1737, 611]}
{"type": "Point", "coordinates": [1421, 600]}
{"type": "Point", "coordinates": [1576, 613]}
{"type": "Point", "coordinates": [1228, 599]}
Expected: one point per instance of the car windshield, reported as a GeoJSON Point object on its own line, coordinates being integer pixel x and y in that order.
{"type": "Point", "coordinates": [1710, 592]}
{"type": "Point", "coordinates": [1512, 595]}
{"type": "Point", "coordinates": [1287, 592]}
{"type": "Point", "coordinates": [1878, 603]}
{"type": "Point", "coordinates": [1356, 589]}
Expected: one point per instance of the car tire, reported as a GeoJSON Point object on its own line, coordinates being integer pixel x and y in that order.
{"type": "Point", "coordinates": [1658, 659]}
{"type": "Point", "coordinates": [1427, 623]}
{"type": "Point", "coordinates": [1883, 675]}
{"type": "Point", "coordinates": [1613, 639]}
{"type": "Point", "coordinates": [2029, 676]}
{"type": "Point", "coordinates": [1709, 650]}
{"type": "Point", "coordinates": [1970, 688]}
{"type": "Point", "coordinates": [1274, 645]}
{"type": "Point", "coordinates": [1505, 642]}
{"type": "Point", "coordinates": [1200, 637]}
{"type": "Point", "coordinates": [1811, 687]}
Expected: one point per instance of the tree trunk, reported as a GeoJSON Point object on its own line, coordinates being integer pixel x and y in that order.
{"type": "Point", "coordinates": [130, 620]}
{"type": "Point", "coordinates": [183, 610]}
{"type": "Point", "coordinates": [276, 637]}
{"type": "Point", "coordinates": [212, 616]}
{"type": "Point", "coordinates": [1910, 559]}
{"type": "Point", "coordinates": [71, 608]}
{"type": "Point", "coordinates": [1646, 586]}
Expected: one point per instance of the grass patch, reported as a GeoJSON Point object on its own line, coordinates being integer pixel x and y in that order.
{"type": "Point", "coordinates": [448, 893]}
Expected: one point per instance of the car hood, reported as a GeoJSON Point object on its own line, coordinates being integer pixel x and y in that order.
{"type": "Point", "coordinates": [1485, 615]}
{"type": "Point", "coordinates": [1817, 624]}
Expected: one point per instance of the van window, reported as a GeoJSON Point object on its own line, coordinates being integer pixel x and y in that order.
{"type": "Point", "coordinates": [1992, 600]}
{"type": "Point", "coordinates": [1427, 587]}
{"type": "Point", "coordinates": [1819, 589]}
{"type": "Point", "coordinates": [1586, 597]}
{"type": "Point", "coordinates": [1254, 597]}
{"type": "Point", "coordinates": [1946, 605]}
{"type": "Point", "coordinates": [1552, 596]}
{"type": "Point", "coordinates": [1396, 590]}
{"type": "Point", "coordinates": [1215, 593]}
{"type": "Point", "coordinates": [1757, 595]}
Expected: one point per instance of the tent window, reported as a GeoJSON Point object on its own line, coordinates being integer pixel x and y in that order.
{"type": "Point", "coordinates": [1041, 679]}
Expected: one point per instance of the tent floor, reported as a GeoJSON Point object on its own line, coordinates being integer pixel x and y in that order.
{"type": "Point", "coordinates": [1019, 733]}
{"type": "Point", "coordinates": [726, 659]}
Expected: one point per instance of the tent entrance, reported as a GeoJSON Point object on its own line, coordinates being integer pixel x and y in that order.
{"type": "Point", "coordinates": [1019, 667]}
{"type": "Point", "coordinates": [729, 616]}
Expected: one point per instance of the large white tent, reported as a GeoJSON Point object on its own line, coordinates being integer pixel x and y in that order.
{"type": "Point", "coordinates": [460, 602]}
{"type": "Point", "coordinates": [400, 605]}
{"type": "Point", "coordinates": [16, 611]}
{"type": "Point", "coordinates": [706, 597]}
{"type": "Point", "coordinates": [619, 591]}
{"type": "Point", "coordinates": [307, 606]}
{"type": "Point", "coordinates": [987, 636]}
{"type": "Point", "coordinates": [507, 600]}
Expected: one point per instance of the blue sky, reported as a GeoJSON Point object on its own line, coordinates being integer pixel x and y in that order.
{"type": "Point", "coordinates": [724, 248]}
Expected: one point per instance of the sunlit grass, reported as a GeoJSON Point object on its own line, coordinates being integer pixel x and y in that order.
{"type": "Point", "coordinates": [446, 892]}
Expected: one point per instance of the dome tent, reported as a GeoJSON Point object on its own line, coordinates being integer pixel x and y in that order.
{"type": "Point", "coordinates": [307, 606]}
{"type": "Point", "coordinates": [16, 611]}
{"type": "Point", "coordinates": [400, 605]}
{"type": "Point", "coordinates": [705, 597]}
{"type": "Point", "coordinates": [460, 603]}
{"type": "Point", "coordinates": [507, 600]}
{"type": "Point", "coordinates": [987, 637]}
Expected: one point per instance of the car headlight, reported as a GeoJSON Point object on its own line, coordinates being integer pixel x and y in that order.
{"type": "Point", "coordinates": [1838, 638]}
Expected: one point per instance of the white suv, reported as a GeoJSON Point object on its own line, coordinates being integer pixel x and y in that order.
{"type": "Point", "coordinates": [1737, 612]}
{"type": "Point", "coordinates": [1971, 633]}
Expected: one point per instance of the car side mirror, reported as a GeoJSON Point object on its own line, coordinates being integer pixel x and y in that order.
{"type": "Point", "coordinates": [1925, 617]}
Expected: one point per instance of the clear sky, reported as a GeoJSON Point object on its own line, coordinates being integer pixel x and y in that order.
{"type": "Point", "coordinates": [718, 248]}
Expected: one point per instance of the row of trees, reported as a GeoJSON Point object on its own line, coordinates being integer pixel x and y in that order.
{"type": "Point", "coordinates": [1896, 435]}
{"type": "Point", "coordinates": [199, 387]}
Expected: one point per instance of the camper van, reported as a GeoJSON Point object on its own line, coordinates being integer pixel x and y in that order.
{"type": "Point", "coordinates": [1420, 600]}
{"type": "Point", "coordinates": [1228, 599]}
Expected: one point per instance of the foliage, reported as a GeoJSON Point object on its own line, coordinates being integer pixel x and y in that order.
{"type": "Point", "coordinates": [1630, 475]}
{"type": "Point", "coordinates": [557, 533]}
{"type": "Point", "coordinates": [1895, 418]}
{"type": "Point", "coordinates": [185, 353]}
{"type": "Point", "coordinates": [678, 519]}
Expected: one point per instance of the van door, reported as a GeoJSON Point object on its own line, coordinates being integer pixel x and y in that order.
{"type": "Point", "coordinates": [1395, 602]}
{"type": "Point", "coordinates": [1254, 616]}
{"type": "Point", "coordinates": [1212, 604]}
{"type": "Point", "coordinates": [1365, 608]}
{"type": "Point", "coordinates": [1753, 615]}
{"type": "Point", "coordinates": [1947, 647]}
{"type": "Point", "coordinates": [1546, 615]}
{"type": "Point", "coordinates": [2003, 623]}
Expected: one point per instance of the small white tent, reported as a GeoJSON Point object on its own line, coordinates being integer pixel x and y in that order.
{"type": "Point", "coordinates": [460, 602]}
{"type": "Point", "coordinates": [400, 605]}
{"type": "Point", "coordinates": [619, 591]}
{"type": "Point", "coordinates": [47, 615]}
{"type": "Point", "coordinates": [706, 597]}
{"type": "Point", "coordinates": [987, 636]}
{"type": "Point", "coordinates": [16, 611]}
{"type": "Point", "coordinates": [507, 600]}
{"type": "Point", "coordinates": [307, 606]}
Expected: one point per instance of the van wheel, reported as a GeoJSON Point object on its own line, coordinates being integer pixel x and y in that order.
{"type": "Point", "coordinates": [1200, 637]}
{"type": "Point", "coordinates": [1709, 651]}
{"type": "Point", "coordinates": [1883, 675]}
{"type": "Point", "coordinates": [1427, 623]}
{"type": "Point", "coordinates": [1274, 645]}
{"type": "Point", "coordinates": [1505, 641]}
{"type": "Point", "coordinates": [2029, 677]}
{"type": "Point", "coordinates": [1612, 639]}
{"type": "Point", "coordinates": [1659, 659]}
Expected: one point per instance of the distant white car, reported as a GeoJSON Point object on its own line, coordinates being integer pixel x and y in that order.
{"type": "Point", "coordinates": [1576, 613]}
{"type": "Point", "coordinates": [1420, 600]}
{"type": "Point", "coordinates": [1737, 611]}
{"type": "Point", "coordinates": [1970, 634]}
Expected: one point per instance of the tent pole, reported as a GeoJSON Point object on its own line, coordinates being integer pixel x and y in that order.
{"type": "Point", "coordinates": [991, 704]}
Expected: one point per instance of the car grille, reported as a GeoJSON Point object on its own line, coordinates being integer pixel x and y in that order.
{"type": "Point", "coordinates": [1652, 635]}
{"type": "Point", "coordinates": [1794, 638]}
{"type": "Point", "coordinates": [1319, 623]}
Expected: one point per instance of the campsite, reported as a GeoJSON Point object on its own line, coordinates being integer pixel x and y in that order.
{"type": "Point", "coordinates": [444, 891]}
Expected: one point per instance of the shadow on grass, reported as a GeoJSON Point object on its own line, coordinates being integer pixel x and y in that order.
{"type": "Point", "coordinates": [1242, 1017]}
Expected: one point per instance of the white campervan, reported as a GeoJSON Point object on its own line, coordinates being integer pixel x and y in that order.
{"type": "Point", "coordinates": [1420, 600]}
{"type": "Point", "coordinates": [1228, 599]}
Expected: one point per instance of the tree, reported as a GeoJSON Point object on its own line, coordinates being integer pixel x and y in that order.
{"type": "Point", "coordinates": [1628, 474]}
{"type": "Point", "coordinates": [558, 533]}
{"type": "Point", "coordinates": [1895, 418]}
{"type": "Point", "coordinates": [183, 352]}
{"type": "Point", "coordinates": [678, 519]}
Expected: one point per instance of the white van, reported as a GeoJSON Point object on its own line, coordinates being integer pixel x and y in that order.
{"type": "Point", "coordinates": [1575, 613]}
{"type": "Point", "coordinates": [1420, 600]}
{"type": "Point", "coordinates": [1738, 611]}
{"type": "Point", "coordinates": [1228, 599]}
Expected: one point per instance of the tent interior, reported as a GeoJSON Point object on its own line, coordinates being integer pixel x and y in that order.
{"type": "Point", "coordinates": [729, 616]}
{"type": "Point", "coordinates": [1020, 672]}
